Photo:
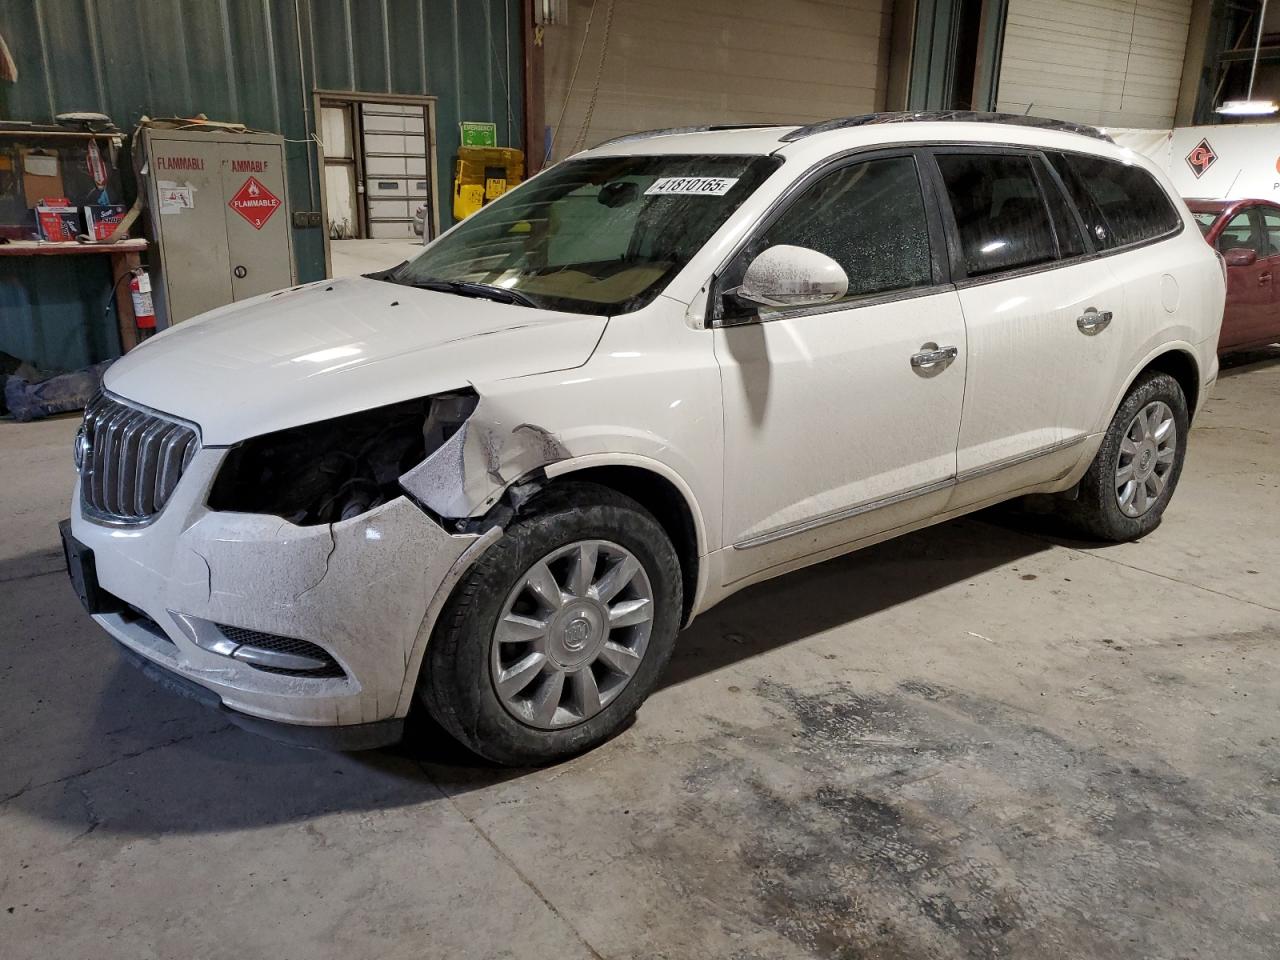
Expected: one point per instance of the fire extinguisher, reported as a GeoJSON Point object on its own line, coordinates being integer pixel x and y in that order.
{"type": "Point", "coordinates": [144, 311]}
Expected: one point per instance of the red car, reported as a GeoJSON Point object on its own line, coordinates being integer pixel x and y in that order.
{"type": "Point", "coordinates": [1247, 234]}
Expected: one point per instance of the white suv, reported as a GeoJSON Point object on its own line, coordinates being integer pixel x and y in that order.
{"type": "Point", "coordinates": [499, 478]}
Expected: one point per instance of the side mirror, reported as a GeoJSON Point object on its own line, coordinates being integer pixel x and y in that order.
{"type": "Point", "coordinates": [787, 276]}
{"type": "Point", "coordinates": [1240, 257]}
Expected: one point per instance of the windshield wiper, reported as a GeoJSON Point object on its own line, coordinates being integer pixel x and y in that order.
{"type": "Point", "coordinates": [470, 288]}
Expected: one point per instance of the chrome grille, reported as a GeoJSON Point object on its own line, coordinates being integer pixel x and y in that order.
{"type": "Point", "coordinates": [132, 460]}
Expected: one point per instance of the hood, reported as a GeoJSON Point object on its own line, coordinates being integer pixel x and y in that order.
{"type": "Point", "coordinates": [337, 347]}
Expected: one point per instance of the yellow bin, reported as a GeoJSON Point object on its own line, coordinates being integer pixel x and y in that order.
{"type": "Point", "coordinates": [482, 174]}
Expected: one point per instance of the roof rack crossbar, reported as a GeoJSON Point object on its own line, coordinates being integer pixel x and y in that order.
{"type": "Point", "coordinates": [945, 116]}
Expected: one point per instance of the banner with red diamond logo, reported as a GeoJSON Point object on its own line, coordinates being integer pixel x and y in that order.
{"type": "Point", "coordinates": [1201, 158]}
{"type": "Point", "coordinates": [255, 203]}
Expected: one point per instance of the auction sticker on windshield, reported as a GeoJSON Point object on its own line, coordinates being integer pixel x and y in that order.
{"type": "Point", "coordinates": [691, 186]}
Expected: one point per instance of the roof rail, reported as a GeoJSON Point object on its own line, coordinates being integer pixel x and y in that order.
{"type": "Point", "coordinates": [941, 116]}
{"type": "Point", "coordinates": [671, 131]}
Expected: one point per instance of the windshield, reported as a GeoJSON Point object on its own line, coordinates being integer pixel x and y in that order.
{"type": "Point", "coordinates": [599, 235]}
{"type": "Point", "coordinates": [1204, 219]}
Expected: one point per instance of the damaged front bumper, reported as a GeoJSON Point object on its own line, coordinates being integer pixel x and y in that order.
{"type": "Point", "coordinates": [199, 589]}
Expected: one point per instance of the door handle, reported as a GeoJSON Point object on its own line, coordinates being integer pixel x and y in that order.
{"type": "Point", "coordinates": [1093, 321]}
{"type": "Point", "coordinates": [1264, 278]}
{"type": "Point", "coordinates": [931, 355]}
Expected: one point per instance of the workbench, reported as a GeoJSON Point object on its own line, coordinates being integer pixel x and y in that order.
{"type": "Point", "coordinates": [124, 257]}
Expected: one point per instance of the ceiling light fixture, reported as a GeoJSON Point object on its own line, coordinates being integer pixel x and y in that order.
{"type": "Point", "coordinates": [1249, 107]}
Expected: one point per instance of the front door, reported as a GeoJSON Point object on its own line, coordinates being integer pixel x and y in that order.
{"type": "Point", "coordinates": [1268, 329]}
{"type": "Point", "coordinates": [831, 433]}
{"type": "Point", "coordinates": [1249, 287]}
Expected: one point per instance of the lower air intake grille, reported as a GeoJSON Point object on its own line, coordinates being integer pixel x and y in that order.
{"type": "Point", "coordinates": [132, 615]}
{"type": "Point", "coordinates": [284, 655]}
{"type": "Point", "coordinates": [132, 460]}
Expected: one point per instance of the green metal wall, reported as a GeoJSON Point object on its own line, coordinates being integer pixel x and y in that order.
{"type": "Point", "coordinates": [252, 61]}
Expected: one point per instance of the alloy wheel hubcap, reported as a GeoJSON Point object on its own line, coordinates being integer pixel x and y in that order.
{"type": "Point", "coordinates": [572, 634]}
{"type": "Point", "coordinates": [1147, 454]}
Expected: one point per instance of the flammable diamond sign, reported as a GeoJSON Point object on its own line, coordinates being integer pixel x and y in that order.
{"type": "Point", "coordinates": [255, 202]}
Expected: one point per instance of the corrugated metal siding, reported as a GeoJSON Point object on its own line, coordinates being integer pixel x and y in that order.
{"type": "Point", "coordinates": [256, 62]}
{"type": "Point", "coordinates": [675, 63]}
{"type": "Point", "coordinates": [1106, 62]}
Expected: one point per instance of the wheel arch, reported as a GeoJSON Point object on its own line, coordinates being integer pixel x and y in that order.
{"type": "Point", "coordinates": [665, 495]}
{"type": "Point", "coordinates": [1177, 361]}
{"type": "Point", "coordinates": [1183, 367]}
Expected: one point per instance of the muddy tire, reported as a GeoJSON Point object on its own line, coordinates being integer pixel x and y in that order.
{"type": "Point", "coordinates": [553, 639]}
{"type": "Point", "coordinates": [1129, 484]}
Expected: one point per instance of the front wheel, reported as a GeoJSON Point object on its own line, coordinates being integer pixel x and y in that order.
{"type": "Point", "coordinates": [1131, 480]}
{"type": "Point", "coordinates": [555, 637]}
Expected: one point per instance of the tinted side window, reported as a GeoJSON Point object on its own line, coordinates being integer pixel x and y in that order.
{"type": "Point", "coordinates": [1070, 243]}
{"type": "Point", "coordinates": [1271, 227]}
{"type": "Point", "coordinates": [1125, 204]}
{"type": "Point", "coordinates": [1241, 232]}
{"type": "Point", "coordinates": [869, 217]}
{"type": "Point", "coordinates": [1000, 213]}
{"type": "Point", "coordinates": [1095, 224]}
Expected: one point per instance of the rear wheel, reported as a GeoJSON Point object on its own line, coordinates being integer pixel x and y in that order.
{"type": "Point", "coordinates": [555, 637]}
{"type": "Point", "coordinates": [1131, 480]}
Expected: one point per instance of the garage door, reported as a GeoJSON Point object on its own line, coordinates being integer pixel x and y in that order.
{"type": "Point", "coordinates": [395, 167]}
{"type": "Point", "coordinates": [670, 63]}
{"type": "Point", "coordinates": [1105, 62]}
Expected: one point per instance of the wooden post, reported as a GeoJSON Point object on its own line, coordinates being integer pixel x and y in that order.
{"type": "Point", "coordinates": [535, 147]}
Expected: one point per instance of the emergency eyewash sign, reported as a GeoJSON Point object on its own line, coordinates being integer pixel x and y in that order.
{"type": "Point", "coordinates": [477, 134]}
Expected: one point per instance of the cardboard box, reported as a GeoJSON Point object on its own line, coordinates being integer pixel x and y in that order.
{"type": "Point", "coordinates": [100, 221]}
{"type": "Point", "coordinates": [41, 175]}
{"type": "Point", "coordinates": [57, 220]}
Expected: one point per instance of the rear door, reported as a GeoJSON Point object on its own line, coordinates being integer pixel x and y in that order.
{"type": "Point", "coordinates": [1037, 308]}
{"type": "Point", "coordinates": [1249, 288]}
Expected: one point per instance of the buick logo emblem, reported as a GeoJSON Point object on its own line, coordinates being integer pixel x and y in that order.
{"type": "Point", "coordinates": [80, 450]}
{"type": "Point", "coordinates": [577, 633]}
{"type": "Point", "coordinates": [1201, 158]}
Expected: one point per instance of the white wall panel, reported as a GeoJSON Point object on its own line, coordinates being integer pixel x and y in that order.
{"type": "Point", "coordinates": [1244, 165]}
{"type": "Point", "coordinates": [1105, 62]}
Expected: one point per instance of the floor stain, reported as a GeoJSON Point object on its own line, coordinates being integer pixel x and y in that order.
{"type": "Point", "coordinates": [926, 822]}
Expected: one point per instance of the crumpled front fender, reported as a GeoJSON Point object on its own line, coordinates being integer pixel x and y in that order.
{"type": "Point", "coordinates": [471, 470]}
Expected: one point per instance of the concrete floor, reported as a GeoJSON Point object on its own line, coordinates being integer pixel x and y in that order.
{"type": "Point", "coordinates": [976, 741]}
{"type": "Point", "coordinates": [351, 257]}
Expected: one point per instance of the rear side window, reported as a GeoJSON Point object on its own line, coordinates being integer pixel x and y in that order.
{"type": "Point", "coordinates": [1070, 242]}
{"type": "Point", "coordinates": [1121, 203]}
{"type": "Point", "coordinates": [999, 210]}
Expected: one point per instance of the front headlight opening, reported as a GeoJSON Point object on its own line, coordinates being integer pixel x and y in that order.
{"type": "Point", "coordinates": [336, 469]}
